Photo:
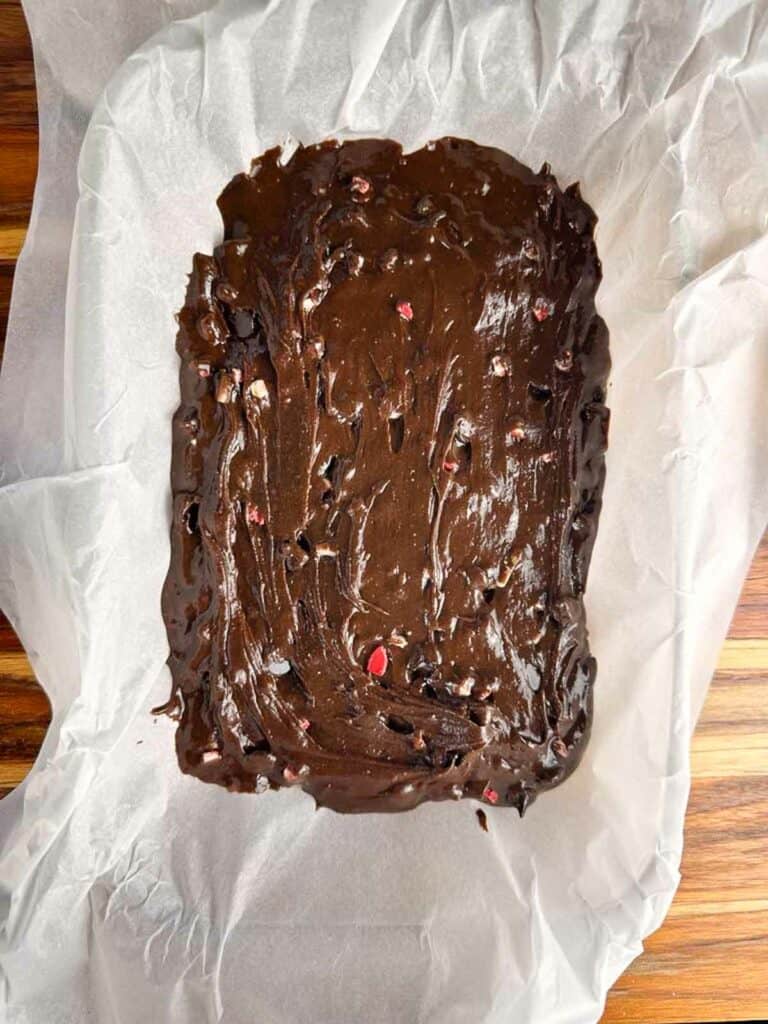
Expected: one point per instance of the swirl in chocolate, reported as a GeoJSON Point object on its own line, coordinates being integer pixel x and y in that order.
{"type": "Point", "coordinates": [387, 471]}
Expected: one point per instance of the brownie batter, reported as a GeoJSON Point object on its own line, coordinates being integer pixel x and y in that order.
{"type": "Point", "coordinates": [387, 471]}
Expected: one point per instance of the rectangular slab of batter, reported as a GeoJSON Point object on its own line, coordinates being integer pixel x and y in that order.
{"type": "Point", "coordinates": [387, 472]}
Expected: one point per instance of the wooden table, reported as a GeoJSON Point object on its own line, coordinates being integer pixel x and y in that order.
{"type": "Point", "coordinates": [709, 961]}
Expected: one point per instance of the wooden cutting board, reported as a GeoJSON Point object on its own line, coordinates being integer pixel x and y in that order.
{"type": "Point", "coordinates": [709, 961]}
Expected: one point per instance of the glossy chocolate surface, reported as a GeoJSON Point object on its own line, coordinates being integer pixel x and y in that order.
{"type": "Point", "coordinates": [387, 471]}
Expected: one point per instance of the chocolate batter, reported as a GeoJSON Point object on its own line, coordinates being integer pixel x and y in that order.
{"type": "Point", "coordinates": [387, 471]}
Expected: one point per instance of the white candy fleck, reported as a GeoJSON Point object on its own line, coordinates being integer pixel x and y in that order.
{"type": "Point", "coordinates": [499, 366]}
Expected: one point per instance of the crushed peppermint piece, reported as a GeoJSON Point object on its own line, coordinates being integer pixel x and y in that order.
{"type": "Point", "coordinates": [304, 723]}
{"type": "Point", "coordinates": [388, 259]}
{"type": "Point", "coordinates": [405, 309]}
{"type": "Point", "coordinates": [565, 361]}
{"type": "Point", "coordinates": [360, 185]}
{"type": "Point", "coordinates": [490, 795]}
{"type": "Point", "coordinates": [355, 262]}
{"type": "Point", "coordinates": [255, 515]}
{"type": "Point", "coordinates": [465, 687]}
{"type": "Point", "coordinates": [378, 660]}
{"type": "Point", "coordinates": [450, 465]}
{"type": "Point", "coordinates": [289, 774]}
{"type": "Point", "coordinates": [203, 370]}
{"type": "Point", "coordinates": [464, 430]}
{"type": "Point", "coordinates": [542, 309]}
{"type": "Point", "coordinates": [500, 365]}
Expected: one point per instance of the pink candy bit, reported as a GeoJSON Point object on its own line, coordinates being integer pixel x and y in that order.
{"type": "Point", "coordinates": [203, 369]}
{"type": "Point", "coordinates": [404, 309]}
{"type": "Point", "coordinates": [289, 774]}
{"type": "Point", "coordinates": [360, 185]}
{"type": "Point", "coordinates": [490, 795]}
{"type": "Point", "coordinates": [378, 660]}
{"type": "Point", "coordinates": [542, 309]}
{"type": "Point", "coordinates": [254, 515]}
{"type": "Point", "coordinates": [304, 723]}
{"type": "Point", "coordinates": [450, 465]}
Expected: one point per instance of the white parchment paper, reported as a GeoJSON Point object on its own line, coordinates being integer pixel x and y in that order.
{"type": "Point", "coordinates": [129, 893]}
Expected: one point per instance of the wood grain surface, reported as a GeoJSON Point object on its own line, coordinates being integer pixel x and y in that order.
{"type": "Point", "coordinates": [709, 961]}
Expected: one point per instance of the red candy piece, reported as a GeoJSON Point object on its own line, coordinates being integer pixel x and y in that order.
{"type": "Point", "coordinates": [490, 795]}
{"type": "Point", "coordinates": [377, 661]}
{"type": "Point", "coordinates": [304, 723]}
{"type": "Point", "coordinates": [450, 466]}
{"type": "Point", "coordinates": [405, 309]}
{"type": "Point", "coordinates": [541, 309]}
{"type": "Point", "coordinates": [255, 515]}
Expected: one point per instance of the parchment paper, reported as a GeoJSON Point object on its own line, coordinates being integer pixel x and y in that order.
{"type": "Point", "coordinates": [129, 893]}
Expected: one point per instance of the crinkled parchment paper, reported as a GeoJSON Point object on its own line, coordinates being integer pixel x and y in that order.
{"type": "Point", "coordinates": [129, 893]}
